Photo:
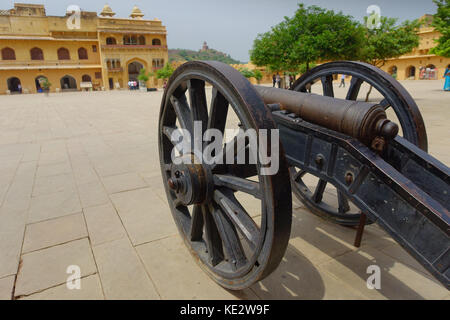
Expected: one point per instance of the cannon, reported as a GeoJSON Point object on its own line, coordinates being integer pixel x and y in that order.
{"type": "Point", "coordinates": [350, 147]}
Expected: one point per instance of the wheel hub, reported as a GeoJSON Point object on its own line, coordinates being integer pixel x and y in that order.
{"type": "Point", "coordinates": [191, 182]}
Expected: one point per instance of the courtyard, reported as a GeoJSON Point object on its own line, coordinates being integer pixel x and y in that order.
{"type": "Point", "coordinates": [80, 184]}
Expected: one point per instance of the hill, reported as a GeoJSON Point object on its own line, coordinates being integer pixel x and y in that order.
{"type": "Point", "coordinates": [208, 54]}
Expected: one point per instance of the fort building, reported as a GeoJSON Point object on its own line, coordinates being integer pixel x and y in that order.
{"type": "Point", "coordinates": [420, 64]}
{"type": "Point", "coordinates": [78, 50]}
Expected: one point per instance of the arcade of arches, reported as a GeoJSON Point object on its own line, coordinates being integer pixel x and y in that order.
{"type": "Point", "coordinates": [100, 52]}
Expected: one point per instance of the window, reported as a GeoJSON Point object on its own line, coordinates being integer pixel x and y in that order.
{"type": "Point", "coordinates": [141, 40]}
{"type": "Point", "coordinates": [94, 48]}
{"type": "Point", "coordinates": [158, 63]}
{"type": "Point", "coordinates": [63, 54]}
{"type": "Point", "coordinates": [98, 75]}
{"type": "Point", "coordinates": [82, 54]}
{"type": "Point", "coordinates": [8, 54]}
{"type": "Point", "coordinates": [156, 42]}
{"type": "Point", "coordinates": [36, 54]}
{"type": "Point", "coordinates": [111, 40]}
{"type": "Point", "coordinates": [86, 78]}
{"type": "Point", "coordinates": [129, 40]}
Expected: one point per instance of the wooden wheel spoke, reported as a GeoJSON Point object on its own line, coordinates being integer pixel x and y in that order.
{"type": "Point", "coordinates": [232, 149]}
{"type": "Point", "coordinates": [230, 239]}
{"type": "Point", "coordinates": [239, 216]}
{"type": "Point", "coordinates": [385, 104]}
{"type": "Point", "coordinates": [327, 85]}
{"type": "Point", "coordinates": [238, 184]}
{"type": "Point", "coordinates": [212, 237]}
{"type": "Point", "coordinates": [343, 205]}
{"type": "Point", "coordinates": [298, 175]}
{"type": "Point", "coordinates": [183, 113]}
{"type": "Point", "coordinates": [355, 85]}
{"type": "Point", "coordinates": [320, 189]}
{"type": "Point", "coordinates": [168, 132]}
{"type": "Point", "coordinates": [197, 223]}
{"type": "Point", "coordinates": [197, 98]}
{"type": "Point", "coordinates": [218, 112]}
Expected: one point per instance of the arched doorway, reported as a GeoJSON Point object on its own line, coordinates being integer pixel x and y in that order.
{"type": "Point", "coordinates": [133, 71]}
{"type": "Point", "coordinates": [68, 83]}
{"type": "Point", "coordinates": [14, 85]}
{"type": "Point", "coordinates": [411, 72]}
{"type": "Point", "coordinates": [431, 72]}
{"type": "Point", "coordinates": [393, 71]}
{"type": "Point", "coordinates": [38, 81]}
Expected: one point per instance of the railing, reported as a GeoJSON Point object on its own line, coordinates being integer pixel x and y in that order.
{"type": "Point", "coordinates": [134, 46]}
{"type": "Point", "coordinates": [30, 63]}
{"type": "Point", "coordinates": [119, 69]}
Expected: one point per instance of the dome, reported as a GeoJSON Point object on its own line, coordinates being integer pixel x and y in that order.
{"type": "Point", "coordinates": [136, 13]}
{"type": "Point", "coordinates": [107, 11]}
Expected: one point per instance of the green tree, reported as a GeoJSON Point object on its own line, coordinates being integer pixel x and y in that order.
{"type": "Point", "coordinates": [257, 74]}
{"type": "Point", "coordinates": [389, 40]}
{"type": "Point", "coordinates": [441, 21]}
{"type": "Point", "coordinates": [144, 75]}
{"type": "Point", "coordinates": [165, 73]}
{"type": "Point", "coordinates": [311, 35]}
{"type": "Point", "coordinates": [246, 72]}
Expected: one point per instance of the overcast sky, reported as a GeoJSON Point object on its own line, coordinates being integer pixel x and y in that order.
{"type": "Point", "coordinates": [229, 25]}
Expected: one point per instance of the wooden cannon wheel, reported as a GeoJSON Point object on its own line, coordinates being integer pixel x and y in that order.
{"type": "Point", "coordinates": [231, 246]}
{"type": "Point", "coordinates": [394, 96]}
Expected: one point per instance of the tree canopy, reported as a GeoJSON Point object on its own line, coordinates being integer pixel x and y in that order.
{"type": "Point", "coordinates": [165, 73]}
{"type": "Point", "coordinates": [315, 34]}
{"type": "Point", "coordinates": [389, 40]}
{"type": "Point", "coordinates": [312, 34]}
{"type": "Point", "coordinates": [441, 21]}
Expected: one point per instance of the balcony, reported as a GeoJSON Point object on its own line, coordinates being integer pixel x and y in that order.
{"type": "Point", "coordinates": [132, 46]}
{"type": "Point", "coordinates": [117, 69]}
{"type": "Point", "coordinates": [46, 64]}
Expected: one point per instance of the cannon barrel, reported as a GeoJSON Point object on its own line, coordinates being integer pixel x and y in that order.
{"type": "Point", "coordinates": [361, 120]}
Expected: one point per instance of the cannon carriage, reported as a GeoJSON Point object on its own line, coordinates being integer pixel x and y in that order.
{"type": "Point", "coordinates": [348, 146]}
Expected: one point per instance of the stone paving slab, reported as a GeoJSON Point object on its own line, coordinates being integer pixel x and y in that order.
{"type": "Point", "coordinates": [145, 216]}
{"type": "Point", "coordinates": [54, 205]}
{"type": "Point", "coordinates": [398, 281]}
{"type": "Point", "coordinates": [90, 289]}
{"type": "Point", "coordinates": [6, 287]}
{"type": "Point", "coordinates": [87, 165]}
{"type": "Point", "coordinates": [52, 232]}
{"type": "Point", "coordinates": [47, 268]}
{"type": "Point", "coordinates": [104, 224]}
{"type": "Point", "coordinates": [173, 284]}
{"type": "Point", "coordinates": [122, 273]}
{"type": "Point", "coordinates": [123, 182]}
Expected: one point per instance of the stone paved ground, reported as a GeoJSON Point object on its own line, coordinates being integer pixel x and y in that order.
{"type": "Point", "coordinates": [80, 185]}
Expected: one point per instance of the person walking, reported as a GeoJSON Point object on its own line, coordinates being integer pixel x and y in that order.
{"type": "Point", "coordinates": [278, 80]}
{"type": "Point", "coordinates": [447, 78]}
{"type": "Point", "coordinates": [342, 81]}
{"type": "Point", "coordinates": [274, 81]}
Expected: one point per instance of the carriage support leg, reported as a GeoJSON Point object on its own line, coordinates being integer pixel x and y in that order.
{"type": "Point", "coordinates": [360, 230]}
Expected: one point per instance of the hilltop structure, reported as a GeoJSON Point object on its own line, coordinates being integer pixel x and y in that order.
{"type": "Point", "coordinates": [80, 49]}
